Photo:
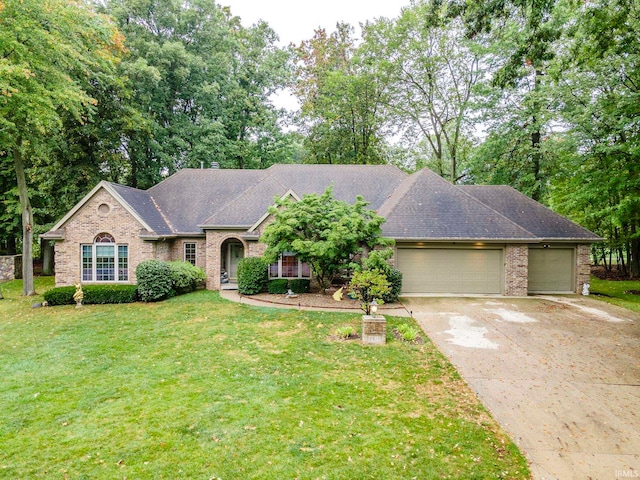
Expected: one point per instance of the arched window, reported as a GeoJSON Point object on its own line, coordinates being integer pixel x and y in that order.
{"type": "Point", "coordinates": [104, 238]}
{"type": "Point", "coordinates": [105, 260]}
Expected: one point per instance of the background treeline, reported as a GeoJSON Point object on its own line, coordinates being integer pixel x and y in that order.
{"type": "Point", "coordinates": [538, 94]}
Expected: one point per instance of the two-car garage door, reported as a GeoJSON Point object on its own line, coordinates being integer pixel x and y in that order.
{"type": "Point", "coordinates": [451, 270]}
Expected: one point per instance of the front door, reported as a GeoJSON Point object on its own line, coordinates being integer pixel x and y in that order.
{"type": "Point", "coordinates": [236, 253]}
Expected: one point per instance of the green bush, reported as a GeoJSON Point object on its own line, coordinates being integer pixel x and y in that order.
{"type": "Point", "coordinates": [253, 275]}
{"type": "Point", "coordinates": [108, 294]}
{"type": "Point", "coordinates": [300, 285]}
{"type": "Point", "coordinates": [93, 295]}
{"type": "Point", "coordinates": [394, 277]}
{"type": "Point", "coordinates": [279, 285]}
{"type": "Point", "coordinates": [155, 280]}
{"type": "Point", "coordinates": [185, 277]}
{"type": "Point", "coordinates": [60, 296]}
{"type": "Point", "coordinates": [345, 332]}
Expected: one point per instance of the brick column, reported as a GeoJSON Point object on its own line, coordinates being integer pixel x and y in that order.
{"type": "Point", "coordinates": [212, 264]}
{"type": "Point", "coordinates": [583, 266]}
{"type": "Point", "coordinates": [516, 270]}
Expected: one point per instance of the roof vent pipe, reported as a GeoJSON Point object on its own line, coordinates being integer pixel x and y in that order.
{"type": "Point", "coordinates": [215, 165]}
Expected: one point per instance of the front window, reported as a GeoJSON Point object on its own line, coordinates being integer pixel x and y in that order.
{"type": "Point", "coordinates": [288, 266]}
{"type": "Point", "coordinates": [190, 253]}
{"type": "Point", "coordinates": [104, 260]}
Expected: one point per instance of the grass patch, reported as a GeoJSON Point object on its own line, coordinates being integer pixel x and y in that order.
{"type": "Point", "coordinates": [197, 387]}
{"type": "Point", "coordinates": [613, 291]}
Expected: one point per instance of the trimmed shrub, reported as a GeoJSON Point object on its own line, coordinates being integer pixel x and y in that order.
{"type": "Point", "coordinates": [93, 295]}
{"type": "Point", "coordinates": [253, 275]}
{"type": "Point", "coordinates": [300, 285]}
{"type": "Point", "coordinates": [108, 294]}
{"type": "Point", "coordinates": [154, 280]}
{"type": "Point", "coordinates": [185, 277]}
{"type": "Point", "coordinates": [60, 296]}
{"type": "Point", "coordinates": [279, 285]}
{"type": "Point", "coordinates": [394, 277]}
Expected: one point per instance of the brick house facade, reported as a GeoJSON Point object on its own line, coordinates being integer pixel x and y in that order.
{"type": "Point", "coordinates": [494, 236]}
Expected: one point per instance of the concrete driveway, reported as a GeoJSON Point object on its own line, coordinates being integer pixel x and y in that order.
{"type": "Point", "coordinates": [560, 374]}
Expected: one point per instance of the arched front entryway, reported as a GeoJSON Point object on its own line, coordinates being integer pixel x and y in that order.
{"type": "Point", "coordinates": [231, 252]}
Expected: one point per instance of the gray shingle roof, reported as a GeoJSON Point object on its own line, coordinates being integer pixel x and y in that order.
{"type": "Point", "coordinates": [374, 182]}
{"type": "Point", "coordinates": [531, 215]}
{"type": "Point", "coordinates": [421, 206]}
{"type": "Point", "coordinates": [142, 203]}
{"type": "Point", "coordinates": [190, 196]}
{"type": "Point", "coordinates": [428, 207]}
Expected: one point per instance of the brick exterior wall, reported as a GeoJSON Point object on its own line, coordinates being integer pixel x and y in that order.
{"type": "Point", "coordinates": [214, 242]}
{"type": "Point", "coordinates": [516, 269]}
{"type": "Point", "coordinates": [177, 250]}
{"type": "Point", "coordinates": [86, 224]}
{"type": "Point", "coordinates": [583, 266]}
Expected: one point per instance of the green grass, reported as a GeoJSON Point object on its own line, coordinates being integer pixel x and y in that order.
{"type": "Point", "coordinates": [612, 291]}
{"type": "Point", "coordinates": [198, 387]}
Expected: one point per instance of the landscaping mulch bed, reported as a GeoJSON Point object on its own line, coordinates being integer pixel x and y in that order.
{"type": "Point", "coordinates": [316, 300]}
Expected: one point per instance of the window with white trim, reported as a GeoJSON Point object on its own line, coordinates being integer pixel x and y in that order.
{"type": "Point", "coordinates": [190, 252]}
{"type": "Point", "coordinates": [105, 260]}
{"type": "Point", "coordinates": [288, 266]}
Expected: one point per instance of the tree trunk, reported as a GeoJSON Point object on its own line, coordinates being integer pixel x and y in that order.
{"type": "Point", "coordinates": [27, 225]}
{"type": "Point", "coordinates": [634, 263]}
{"type": "Point", "coordinates": [536, 142]}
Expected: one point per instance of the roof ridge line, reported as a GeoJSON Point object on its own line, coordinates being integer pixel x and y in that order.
{"type": "Point", "coordinates": [398, 194]}
{"type": "Point", "coordinates": [267, 174]}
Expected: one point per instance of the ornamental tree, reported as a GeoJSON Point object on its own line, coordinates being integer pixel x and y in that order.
{"type": "Point", "coordinates": [324, 232]}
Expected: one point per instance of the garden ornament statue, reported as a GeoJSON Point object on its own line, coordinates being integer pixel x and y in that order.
{"type": "Point", "coordinates": [79, 295]}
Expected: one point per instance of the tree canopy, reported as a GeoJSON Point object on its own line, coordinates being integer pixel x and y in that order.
{"type": "Point", "coordinates": [324, 232]}
{"type": "Point", "coordinates": [48, 51]}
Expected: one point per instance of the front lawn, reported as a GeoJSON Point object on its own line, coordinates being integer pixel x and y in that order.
{"type": "Point", "coordinates": [197, 387]}
{"type": "Point", "coordinates": [613, 291]}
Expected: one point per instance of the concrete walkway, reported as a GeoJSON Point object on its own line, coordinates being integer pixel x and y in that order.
{"type": "Point", "coordinates": [560, 374]}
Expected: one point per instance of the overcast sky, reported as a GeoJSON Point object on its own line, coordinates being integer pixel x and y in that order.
{"type": "Point", "coordinates": [295, 20]}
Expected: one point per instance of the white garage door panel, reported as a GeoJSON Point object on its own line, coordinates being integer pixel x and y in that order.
{"type": "Point", "coordinates": [439, 270]}
{"type": "Point", "coordinates": [550, 270]}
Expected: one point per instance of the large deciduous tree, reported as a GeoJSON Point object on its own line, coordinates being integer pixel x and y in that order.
{"type": "Point", "coordinates": [48, 48]}
{"type": "Point", "coordinates": [341, 98]}
{"type": "Point", "coordinates": [598, 80]}
{"type": "Point", "coordinates": [203, 83]}
{"type": "Point", "coordinates": [429, 71]}
{"type": "Point", "coordinates": [324, 232]}
{"type": "Point", "coordinates": [520, 36]}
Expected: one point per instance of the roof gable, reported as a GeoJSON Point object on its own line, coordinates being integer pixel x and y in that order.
{"type": "Point", "coordinates": [428, 207]}
{"type": "Point", "coordinates": [374, 182]}
{"type": "Point", "coordinates": [137, 202]}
